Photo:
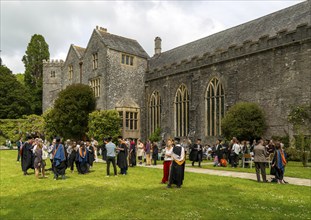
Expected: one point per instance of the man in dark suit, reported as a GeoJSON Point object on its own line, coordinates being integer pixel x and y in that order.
{"type": "Point", "coordinates": [196, 153]}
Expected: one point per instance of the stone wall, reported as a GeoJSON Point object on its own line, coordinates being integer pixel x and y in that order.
{"type": "Point", "coordinates": [125, 84]}
{"type": "Point", "coordinates": [71, 60]}
{"type": "Point", "coordinates": [96, 46]}
{"type": "Point", "coordinates": [273, 72]}
{"type": "Point", "coordinates": [51, 85]}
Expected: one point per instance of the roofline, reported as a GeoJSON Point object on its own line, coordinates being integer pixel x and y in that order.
{"type": "Point", "coordinates": [261, 17]}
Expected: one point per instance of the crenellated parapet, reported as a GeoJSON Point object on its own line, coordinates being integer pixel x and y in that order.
{"type": "Point", "coordinates": [263, 43]}
{"type": "Point", "coordinates": [53, 62]}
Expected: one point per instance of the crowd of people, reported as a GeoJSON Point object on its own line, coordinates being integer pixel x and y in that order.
{"type": "Point", "coordinates": [34, 153]}
{"type": "Point", "coordinates": [128, 153]}
{"type": "Point", "coordinates": [264, 153]}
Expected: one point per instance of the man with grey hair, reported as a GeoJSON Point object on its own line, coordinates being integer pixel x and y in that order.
{"type": "Point", "coordinates": [260, 154]}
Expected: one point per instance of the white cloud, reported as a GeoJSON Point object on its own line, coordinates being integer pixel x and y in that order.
{"type": "Point", "coordinates": [71, 22]}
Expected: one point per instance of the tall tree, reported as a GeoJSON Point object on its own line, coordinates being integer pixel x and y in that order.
{"type": "Point", "coordinates": [14, 98]}
{"type": "Point", "coordinates": [69, 117]}
{"type": "Point", "coordinates": [37, 50]}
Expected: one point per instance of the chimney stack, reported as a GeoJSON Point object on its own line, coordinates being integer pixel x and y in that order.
{"type": "Point", "coordinates": [157, 46]}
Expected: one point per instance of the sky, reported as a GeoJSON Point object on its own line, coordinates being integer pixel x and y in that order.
{"type": "Point", "coordinates": [62, 23]}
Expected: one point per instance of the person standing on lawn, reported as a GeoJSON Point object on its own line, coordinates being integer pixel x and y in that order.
{"type": "Point", "coordinates": [111, 156]}
{"type": "Point", "coordinates": [27, 155]}
{"type": "Point", "coordinates": [91, 153]}
{"type": "Point", "coordinates": [72, 154]}
{"type": "Point", "coordinates": [59, 160]}
{"type": "Point", "coordinates": [122, 156]}
{"type": "Point", "coordinates": [219, 151]}
{"type": "Point", "coordinates": [132, 153]}
{"type": "Point", "coordinates": [104, 150]}
{"type": "Point", "coordinates": [148, 152]}
{"type": "Point", "coordinates": [196, 154]}
{"type": "Point", "coordinates": [177, 169]}
{"type": "Point", "coordinates": [39, 163]}
{"type": "Point", "coordinates": [260, 154]}
{"type": "Point", "coordinates": [82, 159]}
{"type": "Point", "coordinates": [167, 160]}
{"type": "Point", "coordinates": [140, 151]}
{"type": "Point", "coordinates": [279, 163]}
{"type": "Point", "coordinates": [19, 144]}
{"type": "Point", "coordinates": [155, 152]}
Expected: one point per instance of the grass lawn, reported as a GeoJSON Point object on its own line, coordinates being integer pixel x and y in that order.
{"type": "Point", "coordinates": [140, 196]}
{"type": "Point", "coordinates": [292, 169]}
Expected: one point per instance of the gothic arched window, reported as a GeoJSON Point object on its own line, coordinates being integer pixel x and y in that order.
{"type": "Point", "coordinates": [214, 107]}
{"type": "Point", "coordinates": [154, 111]}
{"type": "Point", "coordinates": [182, 111]}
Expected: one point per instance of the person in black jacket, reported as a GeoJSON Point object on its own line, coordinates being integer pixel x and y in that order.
{"type": "Point", "coordinates": [196, 153]}
{"type": "Point", "coordinates": [27, 156]}
{"type": "Point", "coordinates": [155, 151]}
{"type": "Point", "coordinates": [122, 156]}
{"type": "Point", "coordinates": [104, 150]}
{"type": "Point", "coordinates": [91, 153]}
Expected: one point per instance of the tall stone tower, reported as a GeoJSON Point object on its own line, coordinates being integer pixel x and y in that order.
{"type": "Point", "coordinates": [52, 82]}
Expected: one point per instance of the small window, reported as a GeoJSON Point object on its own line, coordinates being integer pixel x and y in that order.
{"type": "Point", "coordinates": [70, 72]}
{"type": "Point", "coordinates": [52, 74]}
{"type": "Point", "coordinates": [131, 121]}
{"type": "Point", "coordinates": [127, 59]}
{"type": "Point", "coordinates": [95, 85]}
{"type": "Point", "coordinates": [95, 61]}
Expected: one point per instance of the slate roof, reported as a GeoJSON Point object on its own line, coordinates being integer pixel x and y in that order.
{"type": "Point", "coordinates": [79, 50]}
{"type": "Point", "coordinates": [288, 18]}
{"type": "Point", "coordinates": [122, 44]}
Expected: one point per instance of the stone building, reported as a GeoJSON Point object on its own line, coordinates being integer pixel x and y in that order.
{"type": "Point", "coordinates": [187, 90]}
{"type": "Point", "coordinates": [113, 66]}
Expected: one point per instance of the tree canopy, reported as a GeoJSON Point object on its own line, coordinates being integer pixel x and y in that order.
{"type": "Point", "coordinates": [69, 117]}
{"type": "Point", "coordinates": [14, 99]}
{"type": "Point", "coordinates": [104, 123]}
{"type": "Point", "coordinates": [37, 51]}
{"type": "Point", "coordinates": [245, 121]}
{"type": "Point", "coordinates": [156, 135]}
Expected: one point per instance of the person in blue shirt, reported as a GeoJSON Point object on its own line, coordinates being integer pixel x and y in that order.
{"type": "Point", "coordinates": [111, 156]}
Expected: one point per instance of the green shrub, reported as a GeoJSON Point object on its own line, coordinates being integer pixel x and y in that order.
{"type": "Point", "coordinates": [13, 129]}
{"type": "Point", "coordinates": [245, 121]}
{"type": "Point", "coordinates": [104, 123]}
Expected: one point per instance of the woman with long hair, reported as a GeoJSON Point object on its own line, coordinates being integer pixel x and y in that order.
{"type": "Point", "coordinates": [167, 160]}
{"type": "Point", "coordinates": [82, 159]}
{"type": "Point", "coordinates": [39, 164]}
